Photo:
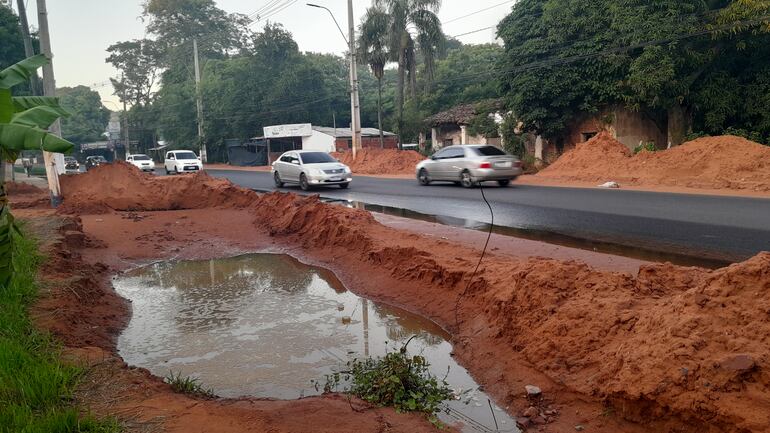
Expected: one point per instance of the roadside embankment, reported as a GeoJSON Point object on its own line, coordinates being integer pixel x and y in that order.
{"type": "Point", "coordinates": [726, 163]}
{"type": "Point", "coordinates": [668, 349]}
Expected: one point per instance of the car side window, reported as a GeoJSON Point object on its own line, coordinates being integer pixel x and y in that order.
{"type": "Point", "coordinates": [454, 152]}
{"type": "Point", "coordinates": [441, 154]}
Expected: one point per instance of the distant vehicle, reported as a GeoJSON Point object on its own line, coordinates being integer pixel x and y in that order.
{"type": "Point", "coordinates": [182, 161]}
{"type": "Point", "coordinates": [70, 163]}
{"type": "Point", "coordinates": [142, 162]}
{"type": "Point", "coordinates": [414, 147]}
{"type": "Point", "coordinates": [469, 165]}
{"type": "Point", "coordinates": [95, 161]}
{"type": "Point", "coordinates": [309, 169]}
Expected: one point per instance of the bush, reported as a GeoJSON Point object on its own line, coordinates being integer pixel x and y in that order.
{"type": "Point", "coordinates": [397, 379]}
{"type": "Point", "coordinates": [646, 147]}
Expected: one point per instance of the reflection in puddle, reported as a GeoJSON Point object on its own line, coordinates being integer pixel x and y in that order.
{"type": "Point", "coordinates": [265, 325]}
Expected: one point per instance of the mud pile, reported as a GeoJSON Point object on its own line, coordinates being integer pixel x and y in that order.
{"type": "Point", "coordinates": [21, 188]}
{"type": "Point", "coordinates": [121, 186]}
{"type": "Point", "coordinates": [381, 161]}
{"type": "Point", "coordinates": [724, 162]}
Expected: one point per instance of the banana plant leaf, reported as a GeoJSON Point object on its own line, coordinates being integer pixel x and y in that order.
{"type": "Point", "coordinates": [39, 117]}
{"type": "Point", "coordinates": [22, 103]}
{"type": "Point", "coordinates": [21, 71]}
{"type": "Point", "coordinates": [15, 137]}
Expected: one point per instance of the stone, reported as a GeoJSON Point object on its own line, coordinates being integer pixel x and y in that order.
{"type": "Point", "coordinates": [531, 412]}
{"type": "Point", "coordinates": [539, 420]}
{"type": "Point", "coordinates": [612, 185]}
{"type": "Point", "coordinates": [533, 391]}
{"type": "Point", "coordinates": [579, 428]}
{"type": "Point", "coordinates": [523, 423]}
{"type": "Point", "coordinates": [738, 363]}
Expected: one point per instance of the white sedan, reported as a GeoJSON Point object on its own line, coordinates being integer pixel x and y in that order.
{"type": "Point", "coordinates": [142, 162]}
{"type": "Point", "coordinates": [309, 169]}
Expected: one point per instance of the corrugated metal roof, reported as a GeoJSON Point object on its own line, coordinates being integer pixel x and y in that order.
{"type": "Point", "coordinates": [346, 132]}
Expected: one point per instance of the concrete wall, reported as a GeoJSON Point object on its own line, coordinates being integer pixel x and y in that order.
{"type": "Point", "coordinates": [454, 133]}
{"type": "Point", "coordinates": [629, 127]}
{"type": "Point", "coordinates": [318, 141]}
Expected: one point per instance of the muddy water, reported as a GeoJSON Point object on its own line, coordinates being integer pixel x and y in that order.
{"type": "Point", "coordinates": [266, 325]}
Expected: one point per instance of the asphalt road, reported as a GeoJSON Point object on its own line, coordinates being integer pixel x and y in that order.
{"type": "Point", "coordinates": [722, 228]}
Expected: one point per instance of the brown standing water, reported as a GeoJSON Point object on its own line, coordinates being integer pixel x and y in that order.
{"type": "Point", "coordinates": [266, 325]}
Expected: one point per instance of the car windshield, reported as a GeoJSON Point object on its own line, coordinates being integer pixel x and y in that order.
{"type": "Point", "coordinates": [69, 159]}
{"type": "Point", "coordinates": [141, 158]}
{"type": "Point", "coordinates": [99, 159]}
{"type": "Point", "coordinates": [316, 158]}
{"type": "Point", "coordinates": [186, 155]}
{"type": "Point", "coordinates": [489, 151]}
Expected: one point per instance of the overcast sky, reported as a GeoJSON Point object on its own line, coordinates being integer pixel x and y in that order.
{"type": "Point", "coordinates": [81, 30]}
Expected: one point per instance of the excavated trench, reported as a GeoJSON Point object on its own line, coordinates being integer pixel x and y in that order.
{"type": "Point", "coordinates": [268, 326]}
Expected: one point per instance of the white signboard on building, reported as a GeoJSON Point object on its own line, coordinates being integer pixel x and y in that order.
{"type": "Point", "coordinates": [284, 131]}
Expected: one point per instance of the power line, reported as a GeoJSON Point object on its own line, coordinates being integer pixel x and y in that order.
{"type": "Point", "coordinates": [472, 32]}
{"type": "Point", "coordinates": [478, 11]}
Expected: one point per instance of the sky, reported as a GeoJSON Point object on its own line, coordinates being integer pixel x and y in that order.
{"type": "Point", "coordinates": [81, 30]}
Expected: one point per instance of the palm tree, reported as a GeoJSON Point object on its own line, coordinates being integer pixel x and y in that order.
{"type": "Point", "coordinates": [373, 44]}
{"type": "Point", "coordinates": [413, 25]}
{"type": "Point", "coordinates": [23, 124]}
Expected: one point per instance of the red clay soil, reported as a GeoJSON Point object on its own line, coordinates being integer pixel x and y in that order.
{"type": "Point", "coordinates": [21, 188]}
{"type": "Point", "coordinates": [381, 161]}
{"type": "Point", "coordinates": [670, 349]}
{"type": "Point", "coordinates": [724, 162]}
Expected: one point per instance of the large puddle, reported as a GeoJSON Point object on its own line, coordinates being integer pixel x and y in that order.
{"type": "Point", "coordinates": [267, 325]}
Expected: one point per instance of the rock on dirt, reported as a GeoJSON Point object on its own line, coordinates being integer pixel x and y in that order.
{"type": "Point", "coordinates": [532, 391]}
{"type": "Point", "coordinates": [723, 162]}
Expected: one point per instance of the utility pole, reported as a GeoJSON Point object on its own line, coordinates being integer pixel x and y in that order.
{"type": "Point", "coordinates": [199, 103]}
{"type": "Point", "coordinates": [49, 89]}
{"type": "Point", "coordinates": [354, 101]}
{"type": "Point", "coordinates": [126, 137]}
{"type": "Point", "coordinates": [29, 51]}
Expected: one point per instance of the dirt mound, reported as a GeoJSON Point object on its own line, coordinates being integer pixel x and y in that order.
{"type": "Point", "coordinates": [121, 186]}
{"type": "Point", "coordinates": [381, 161]}
{"type": "Point", "coordinates": [21, 188]}
{"type": "Point", "coordinates": [724, 162]}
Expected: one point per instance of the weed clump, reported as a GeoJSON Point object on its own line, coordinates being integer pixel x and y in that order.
{"type": "Point", "coordinates": [397, 379]}
{"type": "Point", "coordinates": [188, 385]}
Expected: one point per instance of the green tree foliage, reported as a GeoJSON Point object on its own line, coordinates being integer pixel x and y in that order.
{"type": "Point", "coordinates": [138, 62]}
{"type": "Point", "coordinates": [565, 58]}
{"type": "Point", "coordinates": [12, 48]}
{"type": "Point", "coordinates": [88, 117]}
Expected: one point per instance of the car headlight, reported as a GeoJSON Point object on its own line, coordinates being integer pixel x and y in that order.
{"type": "Point", "coordinates": [347, 169]}
{"type": "Point", "coordinates": [316, 172]}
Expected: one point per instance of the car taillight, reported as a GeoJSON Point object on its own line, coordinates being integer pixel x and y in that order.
{"type": "Point", "coordinates": [517, 164]}
{"type": "Point", "coordinates": [485, 165]}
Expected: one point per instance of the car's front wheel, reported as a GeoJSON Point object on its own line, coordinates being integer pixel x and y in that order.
{"type": "Point", "coordinates": [303, 182]}
{"type": "Point", "coordinates": [176, 169]}
{"type": "Point", "coordinates": [504, 183]}
{"type": "Point", "coordinates": [423, 177]}
{"type": "Point", "coordinates": [344, 185]}
{"type": "Point", "coordinates": [466, 180]}
{"type": "Point", "coordinates": [277, 180]}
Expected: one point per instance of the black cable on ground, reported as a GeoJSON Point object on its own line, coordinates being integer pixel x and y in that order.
{"type": "Point", "coordinates": [481, 258]}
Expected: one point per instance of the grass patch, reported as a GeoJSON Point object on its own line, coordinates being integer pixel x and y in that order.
{"type": "Point", "coordinates": [397, 379]}
{"type": "Point", "coordinates": [188, 385]}
{"type": "Point", "coordinates": [35, 385]}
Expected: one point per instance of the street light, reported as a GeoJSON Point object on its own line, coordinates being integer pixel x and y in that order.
{"type": "Point", "coordinates": [335, 20]}
{"type": "Point", "coordinates": [355, 108]}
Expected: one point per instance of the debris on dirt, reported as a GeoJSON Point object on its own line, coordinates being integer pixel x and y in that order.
{"type": "Point", "coordinates": [613, 185]}
{"type": "Point", "coordinates": [723, 162]}
{"type": "Point", "coordinates": [381, 161]}
{"type": "Point", "coordinates": [533, 391]}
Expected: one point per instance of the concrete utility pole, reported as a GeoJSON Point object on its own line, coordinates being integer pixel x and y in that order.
{"type": "Point", "coordinates": [49, 89]}
{"type": "Point", "coordinates": [29, 51]}
{"type": "Point", "coordinates": [354, 101]}
{"type": "Point", "coordinates": [199, 103]}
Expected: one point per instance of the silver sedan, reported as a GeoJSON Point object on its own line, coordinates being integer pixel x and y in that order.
{"type": "Point", "coordinates": [310, 169]}
{"type": "Point", "coordinates": [469, 165]}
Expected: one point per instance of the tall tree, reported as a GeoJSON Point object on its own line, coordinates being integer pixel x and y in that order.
{"type": "Point", "coordinates": [373, 46]}
{"type": "Point", "coordinates": [88, 117]}
{"type": "Point", "coordinates": [413, 26]}
{"type": "Point", "coordinates": [138, 63]}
